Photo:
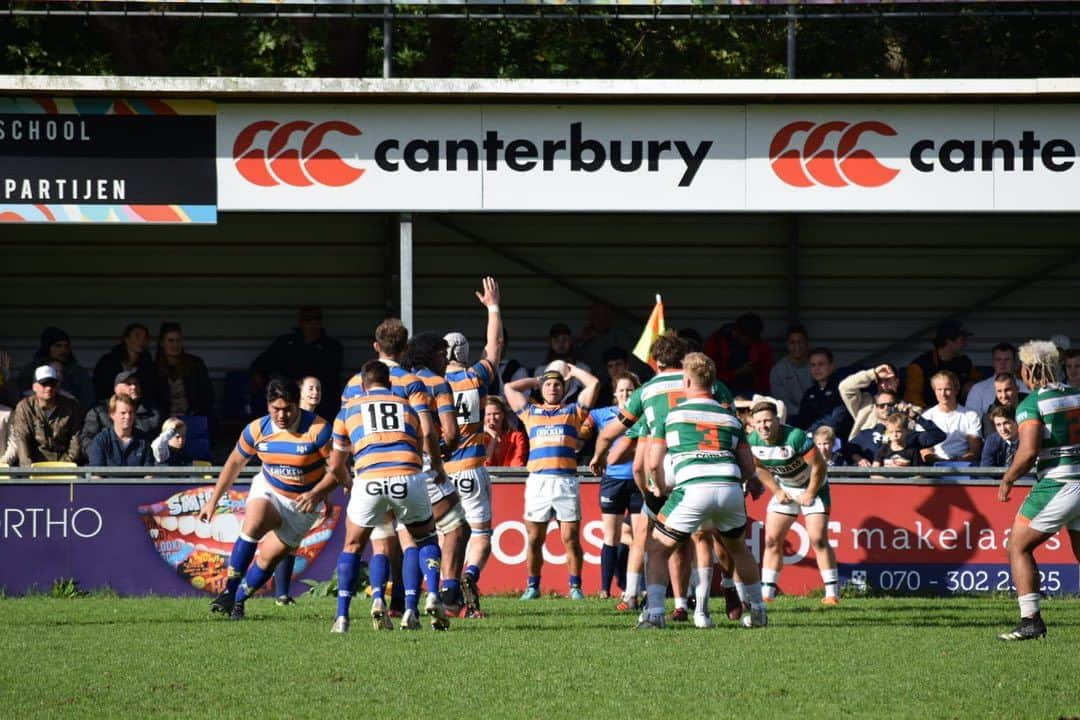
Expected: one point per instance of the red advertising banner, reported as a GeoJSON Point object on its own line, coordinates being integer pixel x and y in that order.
{"type": "Point", "coordinates": [900, 538]}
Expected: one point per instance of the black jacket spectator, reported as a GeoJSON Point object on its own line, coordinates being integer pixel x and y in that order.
{"type": "Point", "coordinates": [147, 420]}
{"type": "Point", "coordinates": [198, 389]}
{"type": "Point", "coordinates": [868, 443]}
{"type": "Point", "coordinates": [113, 363]}
{"type": "Point", "coordinates": [56, 345]}
{"type": "Point", "coordinates": [823, 406]}
{"type": "Point", "coordinates": [295, 356]}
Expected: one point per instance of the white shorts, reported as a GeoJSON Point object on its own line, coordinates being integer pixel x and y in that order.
{"type": "Point", "coordinates": [818, 507]}
{"type": "Point", "coordinates": [547, 495]}
{"type": "Point", "coordinates": [693, 506]}
{"type": "Point", "coordinates": [294, 524]}
{"type": "Point", "coordinates": [387, 529]}
{"type": "Point", "coordinates": [1052, 505]}
{"type": "Point", "coordinates": [437, 489]}
{"type": "Point", "coordinates": [474, 489]}
{"type": "Point", "coordinates": [405, 495]}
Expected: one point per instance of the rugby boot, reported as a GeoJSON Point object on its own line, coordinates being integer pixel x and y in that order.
{"type": "Point", "coordinates": [284, 600]}
{"type": "Point", "coordinates": [471, 594]}
{"type": "Point", "coordinates": [576, 593]}
{"type": "Point", "coordinates": [651, 622]}
{"type": "Point", "coordinates": [452, 601]}
{"type": "Point", "coordinates": [830, 601]}
{"type": "Point", "coordinates": [758, 617]}
{"type": "Point", "coordinates": [627, 604]}
{"type": "Point", "coordinates": [410, 620]}
{"type": "Point", "coordinates": [435, 610]}
{"type": "Point", "coordinates": [237, 612]}
{"type": "Point", "coordinates": [679, 615]}
{"type": "Point", "coordinates": [223, 603]}
{"type": "Point", "coordinates": [530, 593]}
{"type": "Point", "coordinates": [703, 621]}
{"type": "Point", "coordinates": [340, 626]}
{"type": "Point", "coordinates": [732, 604]}
{"type": "Point", "coordinates": [380, 618]}
{"type": "Point", "coordinates": [1030, 628]}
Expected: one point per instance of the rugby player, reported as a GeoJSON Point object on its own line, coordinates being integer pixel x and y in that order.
{"type": "Point", "coordinates": [552, 485]}
{"type": "Point", "coordinates": [285, 498]}
{"type": "Point", "coordinates": [791, 467]}
{"type": "Point", "coordinates": [465, 467]}
{"type": "Point", "coordinates": [391, 339]}
{"type": "Point", "coordinates": [708, 459]}
{"type": "Point", "coordinates": [381, 434]}
{"type": "Point", "coordinates": [1049, 426]}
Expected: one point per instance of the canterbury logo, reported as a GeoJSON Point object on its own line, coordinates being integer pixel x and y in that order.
{"type": "Point", "coordinates": [816, 164]}
{"type": "Point", "coordinates": [272, 162]}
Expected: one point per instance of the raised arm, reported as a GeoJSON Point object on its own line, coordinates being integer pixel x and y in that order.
{"type": "Point", "coordinates": [229, 472]}
{"type": "Point", "coordinates": [589, 381]}
{"type": "Point", "coordinates": [490, 299]}
{"type": "Point", "coordinates": [516, 392]}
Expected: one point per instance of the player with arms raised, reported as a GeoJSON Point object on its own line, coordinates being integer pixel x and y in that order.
{"type": "Point", "coordinates": [1049, 426]}
{"type": "Point", "coordinates": [285, 496]}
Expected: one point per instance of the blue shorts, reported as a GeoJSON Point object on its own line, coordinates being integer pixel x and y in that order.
{"type": "Point", "coordinates": [617, 496]}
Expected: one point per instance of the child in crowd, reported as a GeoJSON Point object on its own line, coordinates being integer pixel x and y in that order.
{"type": "Point", "coordinates": [825, 441]}
{"type": "Point", "coordinates": [168, 447]}
{"type": "Point", "coordinates": [900, 447]}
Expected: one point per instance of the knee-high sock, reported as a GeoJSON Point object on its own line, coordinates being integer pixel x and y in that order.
{"type": "Point", "coordinates": [702, 590]}
{"type": "Point", "coordinates": [609, 558]}
{"type": "Point", "coordinates": [242, 553]}
{"type": "Point", "coordinates": [283, 575]}
{"type": "Point", "coordinates": [410, 577]}
{"type": "Point", "coordinates": [378, 572]}
{"type": "Point", "coordinates": [620, 564]}
{"type": "Point", "coordinates": [255, 578]}
{"type": "Point", "coordinates": [430, 562]}
{"type": "Point", "coordinates": [346, 573]}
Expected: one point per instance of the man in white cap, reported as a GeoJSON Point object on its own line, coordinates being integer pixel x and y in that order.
{"type": "Point", "coordinates": [465, 467]}
{"type": "Point", "coordinates": [46, 424]}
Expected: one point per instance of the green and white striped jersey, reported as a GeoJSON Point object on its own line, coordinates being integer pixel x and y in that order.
{"type": "Point", "coordinates": [1058, 409]}
{"type": "Point", "coordinates": [784, 459]}
{"type": "Point", "coordinates": [701, 437]}
{"type": "Point", "coordinates": [655, 398]}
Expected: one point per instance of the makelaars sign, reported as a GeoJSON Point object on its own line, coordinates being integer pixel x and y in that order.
{"type": "Point", "coordinates": [649, 158]}
{"type": "Point", "coordinates": [107, 160]}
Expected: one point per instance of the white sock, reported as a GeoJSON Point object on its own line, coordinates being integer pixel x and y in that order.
{"type": "Point", "coordinates": [753, 594]}
{"type": "Point", "coordinates": [1029, 604]}
{"type": "Point", "coordinates": [741, 589]}
{"type": "Point", "coordinates": [681, 603]}
{"type": "Point", "coordinates": [633, 585]}
{"type": "Point", "coordinates": [654, 600]}
{"type": "Point", "coordinates": [768, 582]}
{"type": "Point", "coordinates": [831, 578]}
{"type": "Point", "coordinates": [702, 590]}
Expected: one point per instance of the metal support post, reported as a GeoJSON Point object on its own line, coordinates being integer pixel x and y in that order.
{"type": "Point", "coordinates": [405, 229]}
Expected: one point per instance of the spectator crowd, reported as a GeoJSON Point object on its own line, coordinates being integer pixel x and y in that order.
{"type": "Point", "coordinates": [143, 407]}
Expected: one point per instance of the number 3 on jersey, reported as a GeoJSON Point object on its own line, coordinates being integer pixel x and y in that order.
{"type": "Point", "coordinates": [467, 405]}
{"type": "Point", "coordinates": [382, 417]}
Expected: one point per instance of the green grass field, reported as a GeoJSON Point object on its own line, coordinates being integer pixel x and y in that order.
{"type": "Point", "coordinates": [551, 658]}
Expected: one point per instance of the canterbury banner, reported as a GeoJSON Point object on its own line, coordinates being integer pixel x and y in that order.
{"type": "Point", "coordinates": [145, 538]}
{"type": "Point", "coordinates": [775, 158]}
{"type": "Point", "coordinates": [102, 160]}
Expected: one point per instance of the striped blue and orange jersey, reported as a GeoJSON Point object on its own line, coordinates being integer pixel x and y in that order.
{"type": "Point", "coordinates": [382, 432]}
{"type": "Point", "coordinates": [553, 432]}
{"type": "Point", "coordinates": [404, 384]}
{"type": "Point", "coordinates": [292, 462]}
{"type": "Point", "coordinates": [442, 400]}
{"type": "Point", "coordinates": [469, 386]}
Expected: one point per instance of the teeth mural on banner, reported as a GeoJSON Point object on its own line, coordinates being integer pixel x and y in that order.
{"type": "Point", "coordinates": [199, 551]}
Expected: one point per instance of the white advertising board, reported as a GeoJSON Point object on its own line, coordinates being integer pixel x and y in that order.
{"type": "Point", "coordinates": [766, 158]}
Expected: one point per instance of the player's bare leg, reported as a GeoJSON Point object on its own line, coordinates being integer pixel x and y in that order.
{"type": "Point", "coordinates": [817, 526]}
{"type": "Point", "coordinates": [772, 560]}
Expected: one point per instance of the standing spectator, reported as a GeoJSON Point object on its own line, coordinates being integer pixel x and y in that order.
{"type": "Point", "coordinates": [790, 376]}
{"type": "Point", "coordinates": [307, 350]}
{"type": "Point", "coordinates": [130, 354]}
{"type": "Point", "coordinates": [821, 404]}
{"type": "Point", "coordinates": [948, 354]}
{"type": "Point", "coordinates": [855, 393]}
{"type": "Point", "coordinates": [506, 447]}
{"type": "Point", "coordinates": [742, 358]}
{"type": "Point", "coordinates": [168, 447]}
{"type": "Point", "coordinates": [46, 424]}
{"type": "Point", "coordinates": [1001, 445]}
{"type": "Point", "coordinates": [55, 345]}
{"type": "Point", "coordinates": [1072, 368]}
{"type": "Point", "coordinates": [183, 382]}
{"type": "Point", "coordinates": [981, 396]}
{"type": "Point", "coordinates": [617, 362]}
{"type": "Point", "coordinates": [121, 444]}
{"type": "Point", "coordinates": [963, 428]}
{"type": "Point", "coordinates": [561, 347]}
{"type": "Point", "coordinates": [1006, 395]}
{"type": "Point", "coordinates": [599, 334]}
{"type": "Point", "coordinates": [147, 418]}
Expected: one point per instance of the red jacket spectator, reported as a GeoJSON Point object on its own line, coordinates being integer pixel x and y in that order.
{"type": "Point", "coordinates": [742, 358]}
{"type": "Point", "coordinates": [511, 449]}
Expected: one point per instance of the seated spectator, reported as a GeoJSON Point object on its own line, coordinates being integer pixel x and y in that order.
{"type": "Point", "coordinates": [131, 354]}
{"type": "Point", "coordinates": [860, 403]}
{"type": "Point", "coordinates": [742, 358]}
{"type": "Point", "coordinates": [310, 394]}
{"type": "Point", "coordinates": [821, 404]}
{"type": "Point", "coordinates": [948, 354]}
{"type": "Point", "coordinates": [9, 389]}
{"type": "Point", "coordinates": [923, 432]}
{"type": "Point", "coordinates": [1002, 443]}
{"type": "Point", "coordinates": [147, 419]}
{"type": "Point", "coordinates": [963, 428]}
{"type": "Point", "coordinates": [505, 447]}
{"type": "Point", "coordinates": [183, 382]}
{"type": "Point", "coordinates": [617, 362]}
{"type": "Point", "coordinates": [560, 347]}
{"type": "Point", "coordinates": [982, 395]}
{"type": "Point", "coordinates": [307, 350]}
{"type": "Point", "coordinates": [1006, 395]}
{"type": "Point", "coordinates": [1072, 368]}
{"type": "Point", "coordinates": [45, 425]}
{"type": "Point", "coordinates": [121, 444]}
{"type": "Point", "coordinates": [168, 447]}
{"type": "Point", "coordinates": [55, 345]}
{"type": "Point", "coordinates": [827, 444]}
{"type": "Point", "coordinates": [8, 453]}
{"type": "Point", "coordinates": [790, 378]}
{"type": "Point", "coordinates": [900, 447]}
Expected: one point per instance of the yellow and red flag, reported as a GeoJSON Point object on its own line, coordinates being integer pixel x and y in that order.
{"type": "Point", "coordinates": [654, 328]}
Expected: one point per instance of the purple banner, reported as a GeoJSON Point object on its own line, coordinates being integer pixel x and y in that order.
{"type": "Point", "coordinates": [95, 534]}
